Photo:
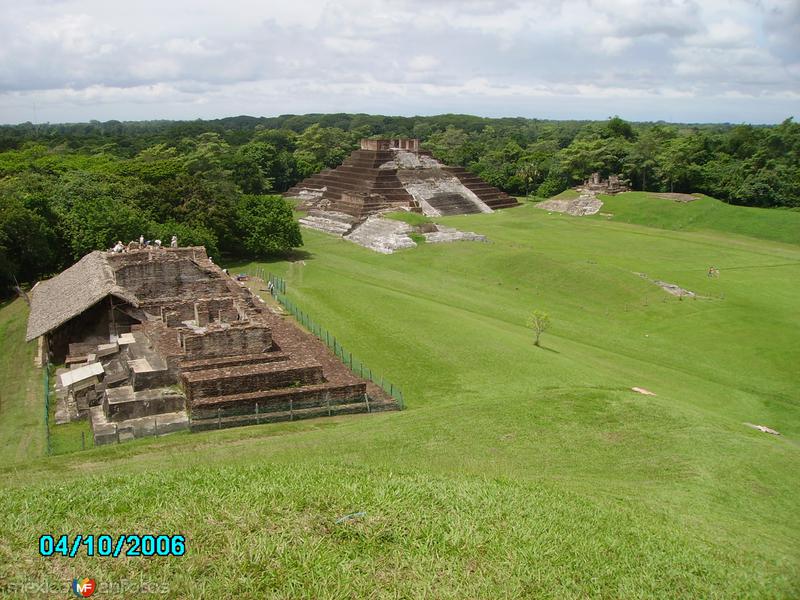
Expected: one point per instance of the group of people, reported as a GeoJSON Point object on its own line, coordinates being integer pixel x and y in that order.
{"type": "Point", "coordinates": [142, 244]}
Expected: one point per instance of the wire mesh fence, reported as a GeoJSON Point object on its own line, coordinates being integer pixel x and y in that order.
{"type": "Point", "coordinates": [272, 412]}
{"type": "Point", "coordinates": [71, 437]}
{"type": "Point", "coordinates": [48, 443]}
{"type": "Point", "coordinates": [276, 286]}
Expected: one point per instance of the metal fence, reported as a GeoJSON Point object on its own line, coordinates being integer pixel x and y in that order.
{"type": "Point", "coordinates": [46, 369]}
{"type": "Point", "coordinates": [61, 439]}
{"type": "Point", "coordinates": [290, 410]}
{"type": "Point", "coordinates": [277, 287]}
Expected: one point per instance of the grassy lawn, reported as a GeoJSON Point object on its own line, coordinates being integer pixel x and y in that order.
{"type": "Point", "coordinates": [568, 194]}
{"type": "Point", "coordinates": [409, 217]}
{"type": "Point", "coordinates": [704, 214]}
{"type": "Point", "coordinates": [21, 389]}
{"type": "Point", "coordinates": [515, 471]}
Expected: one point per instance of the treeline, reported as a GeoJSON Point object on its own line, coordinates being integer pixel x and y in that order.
{"type": "Point", "coordinates": [59, 202]}
{"type": "Point", "coordinates": [67, 189]}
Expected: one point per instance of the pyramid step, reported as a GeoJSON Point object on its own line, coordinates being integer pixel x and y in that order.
{"type": "Point", "coordinates": [452, 204]}
{"type": "Point", "coordinates": [382, 235]}
{"type": "Point", "coordinates": [335, 223]}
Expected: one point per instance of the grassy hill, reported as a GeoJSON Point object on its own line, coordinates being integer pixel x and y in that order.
{"type": "Point", "coordinates": [707, 213]}
{"type": "Point", "coordinates": [515, 470]}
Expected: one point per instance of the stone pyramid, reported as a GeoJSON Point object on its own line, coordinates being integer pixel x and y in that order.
{"type": "Point", "coordinates": [395, 173]}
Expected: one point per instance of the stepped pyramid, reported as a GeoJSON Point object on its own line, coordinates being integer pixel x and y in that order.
{"type": "Point", "coordinates": [393, 173]}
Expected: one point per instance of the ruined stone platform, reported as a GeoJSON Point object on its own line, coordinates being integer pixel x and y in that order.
{"type": "Point", "coordinates": [175, 321]}
{"type": "Point", "coordinates": [396, 173]}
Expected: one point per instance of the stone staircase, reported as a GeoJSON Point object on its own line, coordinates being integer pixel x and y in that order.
{"type": "Point", "coordinates": [382, 235]}
{"type": "Point", "coordinates": [493, 197]}
{"type": "Point", "coordinates": [370, 180]}
{"type": "Point", "coordinates": [333, 222]}
{"type": "Point", "coordinates": [452, 204]}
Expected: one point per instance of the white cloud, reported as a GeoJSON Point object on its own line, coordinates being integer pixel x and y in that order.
{"type": "Point", "coordinates": [613, 45]}
{"type": "Point", "coordinates": [345, 45]}
{"type": "Point", "coordinates": [199, 58]}
{"type": "Point", "coordinates": [423, 62]}
{"type": "Point", "coordinates": [724, 34]}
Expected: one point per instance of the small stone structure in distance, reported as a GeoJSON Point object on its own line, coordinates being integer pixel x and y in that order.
{"type": "Point", "coordinates": [587, 202]}
{"type": "Point", "coordinates": [150, 335]}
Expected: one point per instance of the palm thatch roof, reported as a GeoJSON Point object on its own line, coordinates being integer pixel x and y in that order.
{"type": "Point", "coordinates": [71, 292]}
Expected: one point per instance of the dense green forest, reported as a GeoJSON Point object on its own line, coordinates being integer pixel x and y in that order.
{"type": "Point", "coordinates": [67, 189]}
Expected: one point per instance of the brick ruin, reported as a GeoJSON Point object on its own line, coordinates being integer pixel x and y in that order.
{"type": "Point", "coordinates": [391, 174]}
{"type": "Point", "coordinates": [596, 185]}
{"type": "Point", "coordinates": [587, 202]}
{"type": "Point", "coordinates": [179, 344]}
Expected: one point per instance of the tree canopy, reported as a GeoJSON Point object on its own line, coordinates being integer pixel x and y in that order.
{"type": "Point", "coordinates": [66, 189]}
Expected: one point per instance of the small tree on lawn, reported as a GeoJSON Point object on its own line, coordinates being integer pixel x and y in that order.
{"type": "Point", "coordinates": [538, 321]}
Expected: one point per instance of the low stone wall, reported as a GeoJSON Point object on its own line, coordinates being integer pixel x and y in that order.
{"type": "Point", "coordinates": [145, 380]}
{"type": "Point", "coordinates": [251, 378]}
{"type": "Point", "coordinates": [283, 399]}
{"type": "Point", "coordinates": [232, 341]}
{"type": "Point", "coordinates": [123, 403]}
{"type": "Point", "coordinates": [232, 361]}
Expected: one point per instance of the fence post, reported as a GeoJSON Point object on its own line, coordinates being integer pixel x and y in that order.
{"type": "Point", "coordinates": [366, 399]}
{"type": "Point", "coordinates": [83, 440]}
{"type": "Point", "coordinates": [328, 402]}
{"type": "Point", "coordinates": [258, 422]}
{"type": "Point", "coordinates": [155, 423]}
{"type": "Point", "coordinates": [291, 409]}
{"type": "Point", "coordinates": [116, 431]}
{"type": "Point", "coordinates": [219, 418]}
{"type": "Point", "coordinates": [47, 406]}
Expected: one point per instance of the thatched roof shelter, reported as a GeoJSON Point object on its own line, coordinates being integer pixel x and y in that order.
{"type": "Point", "coordinates": [71, 292]}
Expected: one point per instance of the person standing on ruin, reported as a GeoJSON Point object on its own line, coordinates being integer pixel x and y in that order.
{"type": "Point", "coordinates": [174, 242]}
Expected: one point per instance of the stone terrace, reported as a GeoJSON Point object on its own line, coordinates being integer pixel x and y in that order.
{"type": "Point", "coordinates": [373, 171]}
{"type": "Point", "coordinates": [202, 330]}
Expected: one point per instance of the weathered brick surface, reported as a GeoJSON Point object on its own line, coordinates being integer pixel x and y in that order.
{"type": "Point", "coordinates": [123, 403]}
{"type": "Point", "coordinates": [251, 378]}
{"type": "Point", "coordinates": [153, 379]}
{"type": "Point", "coordinates": [232, 361]}
{"type": "Point", "coordinates": [233, 341]}
{"type": "Point", "coordinates": [241, 354]}
{"type": "Point", "coordinates": [299, 398]}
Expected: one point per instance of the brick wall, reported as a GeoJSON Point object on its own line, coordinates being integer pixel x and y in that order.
{"type": "Point", "coordinates": [227, 342]}
{"type": "Point", "coordinates": [251, 378]}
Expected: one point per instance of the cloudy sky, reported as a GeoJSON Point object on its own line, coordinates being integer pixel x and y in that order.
{"type": "Point", "coordinates": [676, 60]}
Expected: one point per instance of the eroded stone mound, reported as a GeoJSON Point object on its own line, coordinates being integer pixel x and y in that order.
{"type": "Point", "coordinates": [382, 235]}
{"type": "Point", "coordinates": [675, 197]}
{"type": "Point", "coordinates": [442, 234]}
{"type": "Point", "coordinates": [586, 204]}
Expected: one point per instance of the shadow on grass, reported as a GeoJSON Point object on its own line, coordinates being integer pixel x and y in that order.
{"type": "Point", "coordinates": [549, 349]}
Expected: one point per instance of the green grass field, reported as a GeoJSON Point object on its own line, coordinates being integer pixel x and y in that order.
{"type": "Point", "coordinates": [704, 214]}
{"type": "Point", "coordinates": [515, 471]}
